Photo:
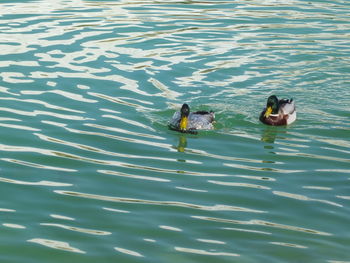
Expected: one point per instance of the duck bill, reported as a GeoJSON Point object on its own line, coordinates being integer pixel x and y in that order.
{"type": "Point", "coordinates": [268, 112]}
{"type": "Point", "coordinates": [183, 123]}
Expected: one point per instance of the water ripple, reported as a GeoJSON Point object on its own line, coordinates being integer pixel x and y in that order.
{"type": "Point", "coordinates": [171, 228]}
{"type": "Point", "coordinates": [62, 217]}
{"type": "Point", "coordinates": [36, 113]}
{"type": "Point", "coordinates": [148, 178]}
{"type": "Point", "coordinates": [288, 245]}
{"type": "Point", "coordinates": [35, 165]}
{"type": "Point", "coordinates": [94, 149]}
{"type": "Point", "coordinates": [78, 229]}
{"type": "Point", "coordinates": [65, 94]}
{"type": "Point", "coordinates": [247, 230]}
{"type": "Point", "coordinates": [210, 241]}
{"type": "Point", "coordinates": [240, 184]}
{"type": "Point", "coordinates": [56, 245]}
{"type": "Point", "coordinates": [18, 127]}
{"type": "Point", "coordinates": [154, 202]}
{"type": "Point", "coordinates": [40, 102]}
{"type": "Point", "coordinates": [264, 223]}
{"type": "Point", "coordinates": [263, 169]}
{"type": "Point", "coordinates": [7, 210]}
{"type": "Point", "coordinates": [41, 183]}
{"type": "Point", "coordinates": [128, 252]}
{"type": "Point", "coordinates": [304, 198]}
{"type": "Point", "coordinates": [16, 226]}
{"type": "Point", "coordinates": [121, 138]}
{"type": "Point", "coordinates": [205, 252]}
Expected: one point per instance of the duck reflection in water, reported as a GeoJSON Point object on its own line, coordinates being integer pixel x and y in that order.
{"type": "Point", "coordinates": [269, 135]}
{"type": "Point", "coordinates": [181, 147]}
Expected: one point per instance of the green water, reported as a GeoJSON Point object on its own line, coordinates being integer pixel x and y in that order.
{"type": "Point", "coordinates": [89, 171]}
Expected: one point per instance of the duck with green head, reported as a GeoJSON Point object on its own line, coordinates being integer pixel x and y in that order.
{"type": "Point", "coordinates": [278, 112]}
{"type": "Point", "coordinates": [186, 121]}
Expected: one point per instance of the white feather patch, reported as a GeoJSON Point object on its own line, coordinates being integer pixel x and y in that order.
{"type": "Point", "coordinates": [292, 117]}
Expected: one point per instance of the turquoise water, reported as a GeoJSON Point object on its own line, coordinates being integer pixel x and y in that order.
{"type": "Point", "coordinates": [89, 171]}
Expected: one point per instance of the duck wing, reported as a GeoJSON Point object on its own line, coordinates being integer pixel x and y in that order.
{"type": "Point", "coordinates": [201, 120]}
{"type": "Point", "coordinates": [287, 106]}
{"type": "Point", "coordinates": [175, 120]}
{"type": "Point", "coordinates": [206, 114]}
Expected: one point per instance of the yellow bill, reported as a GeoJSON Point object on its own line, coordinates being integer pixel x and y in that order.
{"type": "Point", "coordinates": [183, 123]}
{"type": "Point", "coordinates": [268, 112]}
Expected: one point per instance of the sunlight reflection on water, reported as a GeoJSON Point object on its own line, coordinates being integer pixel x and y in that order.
{"type": "Point", "coordinates": [87, 89]}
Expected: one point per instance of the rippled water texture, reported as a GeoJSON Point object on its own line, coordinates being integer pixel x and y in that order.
{"type": "Point", "coordinates": [89, 171]}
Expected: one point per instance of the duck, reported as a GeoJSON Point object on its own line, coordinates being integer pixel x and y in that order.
{"type": "Point", "coordinates": [278, 112]}
{"type": "Point", "coordinates": [190, 122]}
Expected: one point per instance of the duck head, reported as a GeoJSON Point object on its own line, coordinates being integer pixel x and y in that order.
{"type": "Point", "coordinates": [271, 106]}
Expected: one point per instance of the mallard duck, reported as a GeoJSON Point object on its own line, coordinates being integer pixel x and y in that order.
{"type": "Point", "coordinates": [278, 112]}
{"type": "Point", "coordinates": [186, 121]}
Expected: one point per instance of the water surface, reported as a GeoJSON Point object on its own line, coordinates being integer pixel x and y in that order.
{"type": "Point", "coordinates": [90, 172]}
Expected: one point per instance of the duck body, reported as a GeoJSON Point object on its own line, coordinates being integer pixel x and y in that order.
{"type": "Point", "coordinates": [278, 112]}
{"type": "Point", "coordinates": [186, 121]}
